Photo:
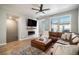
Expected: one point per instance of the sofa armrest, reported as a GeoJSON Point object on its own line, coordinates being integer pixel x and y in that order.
{"type": "Point", "coordinates": [37, 42]}
{"type": "Point", "coordinates": [54, 39]}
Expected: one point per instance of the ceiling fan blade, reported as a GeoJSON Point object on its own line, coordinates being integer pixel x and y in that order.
{"type": "Point", "coordinates": [35, 9]}
{"type": "Point", "coordinates": [40, 12]}
{"type": "Point", "coordinates": [37, 12]}
{"type": "Point", "coordinates": [45, 9]}
{"type": "Point", "coordinates": [43, 12]}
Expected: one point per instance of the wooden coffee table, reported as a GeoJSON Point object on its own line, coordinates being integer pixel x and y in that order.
{"type": "Point", "coordinates": [40, 44]}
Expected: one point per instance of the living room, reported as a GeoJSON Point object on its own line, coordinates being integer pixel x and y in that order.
{"type": "Point", "coordinates": [23, 25]}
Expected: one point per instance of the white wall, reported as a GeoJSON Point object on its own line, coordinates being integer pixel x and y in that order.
{"type": "Point", "coordinates": [2, 27]}
{"type": "Point", "coordinates": [22, 25]}
{"type": "Point", "coordinates": [46, 27]}
{"type": "Point", "coordinates": [78, 20]}
{"type": "Point", "coordinates": [74, 19]}
{"type": "Point", "coordinates": [23, 29]}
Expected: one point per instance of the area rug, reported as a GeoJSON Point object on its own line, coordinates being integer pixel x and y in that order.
{"type": "Point", "coordinates": [28, 50]}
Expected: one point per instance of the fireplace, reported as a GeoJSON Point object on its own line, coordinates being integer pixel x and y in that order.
{"type": "Point", "coordinates": [31, 32]}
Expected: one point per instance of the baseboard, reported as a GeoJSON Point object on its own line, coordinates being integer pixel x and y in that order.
{"type": "Point", "coordinates": [25, 38]}
{"type": "Point", "coordinates": [3, 44]}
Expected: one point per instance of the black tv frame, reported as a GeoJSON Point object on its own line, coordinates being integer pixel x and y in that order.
{"type": "Point", "coordinates": [31, 23]}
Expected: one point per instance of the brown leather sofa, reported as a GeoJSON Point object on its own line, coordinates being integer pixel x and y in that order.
{"type": "Point", "coordinates": [54, 36]}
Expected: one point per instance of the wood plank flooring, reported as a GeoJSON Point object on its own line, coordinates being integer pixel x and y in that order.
{"type": "Point", "coordinates": [14, 45]}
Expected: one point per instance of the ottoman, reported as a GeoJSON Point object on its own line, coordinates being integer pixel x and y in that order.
{"type": "Point", "coordinates": [41, 44]}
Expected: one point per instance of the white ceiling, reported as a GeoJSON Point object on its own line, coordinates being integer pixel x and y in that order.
{"type": "Point", "coordinates": [25, 9]}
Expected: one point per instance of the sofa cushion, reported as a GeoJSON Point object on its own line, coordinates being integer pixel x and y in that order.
{"type": "Point", "coordinates": [63, 42]}
{"type": "Point", "coordinates": [66, 50]}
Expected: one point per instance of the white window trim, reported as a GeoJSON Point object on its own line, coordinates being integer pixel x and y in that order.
{"type": "Point", "coordinates": [62, 16]}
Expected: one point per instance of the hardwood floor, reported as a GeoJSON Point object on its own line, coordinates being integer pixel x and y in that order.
{"type": "Point", "coordinates": [14, 45]}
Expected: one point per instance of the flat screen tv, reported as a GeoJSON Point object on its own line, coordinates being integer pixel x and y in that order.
{"type": "Point", "coordinates": [32, 23]}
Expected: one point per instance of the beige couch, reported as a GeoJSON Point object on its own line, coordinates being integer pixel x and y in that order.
{"type": "Point", "coordinates": [68, 46]}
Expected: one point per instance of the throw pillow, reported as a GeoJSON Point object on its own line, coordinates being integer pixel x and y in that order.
{"type": "Point", "coordinates": [68, 36]}
{"type": "Point", "coordinates": [46, 34]}
{"type": "Point", "coordinates": [75, 40]}
{"type": "Point", "coordinates": [78, 44]}
{"type": "Point", "coordinates": [63, 36]}
{"type": "Point", "coordinates": [73, 36]}
{"type": "Point", "coordinates": [66, 50]}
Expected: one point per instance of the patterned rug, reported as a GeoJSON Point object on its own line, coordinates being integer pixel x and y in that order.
{"type": "Point", "coordinates": [21, 48]}
{"type": "Point", "coordinates": [29, 50]}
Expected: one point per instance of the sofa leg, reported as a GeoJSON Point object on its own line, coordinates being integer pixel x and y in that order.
{"type": "Point", "coordinates": [51, 53]}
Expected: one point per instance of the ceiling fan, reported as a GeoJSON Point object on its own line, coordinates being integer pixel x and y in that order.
{"type": "Point", "coordinates": [40, 9]}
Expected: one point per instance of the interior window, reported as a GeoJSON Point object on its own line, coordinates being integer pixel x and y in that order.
{"type": "Point", "coordinates": [61, 24]}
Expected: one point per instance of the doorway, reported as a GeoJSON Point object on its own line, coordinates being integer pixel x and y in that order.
{"type": "Point", "coordinates": [12, 30]}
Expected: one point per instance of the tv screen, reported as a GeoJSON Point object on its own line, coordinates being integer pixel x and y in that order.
{"type": "Point", "coordinates": [32, 22]}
